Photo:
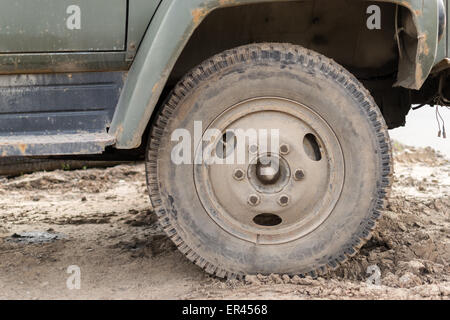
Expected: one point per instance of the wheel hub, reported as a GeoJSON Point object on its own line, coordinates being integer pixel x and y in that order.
{"type": "Point", "coordinates": [269, 173]}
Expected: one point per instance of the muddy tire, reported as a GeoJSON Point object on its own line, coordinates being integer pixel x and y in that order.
{"type": "Point", "coordinates": [335, 163]}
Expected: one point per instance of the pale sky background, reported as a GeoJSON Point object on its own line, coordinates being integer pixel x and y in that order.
{"type": "Point", "coordinates": [422, 130]}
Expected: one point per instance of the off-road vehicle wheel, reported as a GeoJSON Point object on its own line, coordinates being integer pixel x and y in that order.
{"type": "Point", "coordinates": [334, 160]}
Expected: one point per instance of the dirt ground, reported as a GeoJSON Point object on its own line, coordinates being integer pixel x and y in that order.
{"type": "Point", "coordinates": [101, 221]}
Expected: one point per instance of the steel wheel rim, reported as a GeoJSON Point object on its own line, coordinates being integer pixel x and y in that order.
{"type": "Point", "coordinates": [303, 197]}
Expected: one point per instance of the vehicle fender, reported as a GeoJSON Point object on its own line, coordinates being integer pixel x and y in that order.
{"type": "Point", "coordinates": [170, 30]}
{"type": "Point", "coordinates": [415, 69]}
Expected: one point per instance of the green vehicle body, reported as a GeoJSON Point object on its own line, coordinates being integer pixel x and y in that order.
{"type": "Point", "coordinates": [145, 40]}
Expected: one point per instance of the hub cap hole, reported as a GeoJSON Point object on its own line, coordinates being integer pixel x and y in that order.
{"type": "Point", "coordinates": [312, 148]}
{"type": "Point", "coordinates": [226, 145]}
{"type": "Point", "coordinates": [267, 220]}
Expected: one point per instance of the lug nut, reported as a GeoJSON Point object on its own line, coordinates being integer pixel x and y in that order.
{"type": "Point", "coordinates": [299, 174]}
{"type": "Point", "coordinates": [254, 200]}
{"type": "Point", "coordinates": [253, 149]}
{"type": "Point", "coordinates": [285, 149]}
{"type": "Point", "coordinates": [283, 200]}
{"type": "Point", "coordinates": [238, 174]}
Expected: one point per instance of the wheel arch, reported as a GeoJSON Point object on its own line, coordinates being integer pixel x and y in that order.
{"type": "Point", "coordinates": [176, 21]}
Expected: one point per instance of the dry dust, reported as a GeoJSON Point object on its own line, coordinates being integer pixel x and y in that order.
{"type": "Point", "coordinates": [107, 228]}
